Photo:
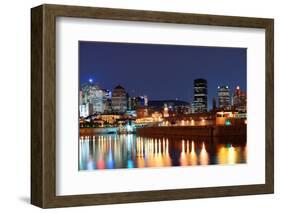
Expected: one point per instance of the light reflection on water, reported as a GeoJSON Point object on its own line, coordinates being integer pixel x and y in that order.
{"type": "Point", "coordinates": [131, 151]}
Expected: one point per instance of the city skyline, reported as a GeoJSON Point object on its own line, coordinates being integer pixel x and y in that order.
{"type": "Point", "coordinates": [218, 98]}
{"type": "Point", "coordinates": [105, 63]}
{"type": "Point", "coordinates": [188, 108]}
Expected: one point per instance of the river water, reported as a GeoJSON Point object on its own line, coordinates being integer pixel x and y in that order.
{"type": "Point", "coordinates": [131, 151]}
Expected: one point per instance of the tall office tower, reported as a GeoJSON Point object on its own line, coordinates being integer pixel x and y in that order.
{"type": "Point", "coordinates": [92, 99]}
{"type": "Point", "coordinates": [200, 100]}
{"type": "Point", "coordinates": [224, 97]}
{"type": "Point", "coordinates": [119, 100]}
{"type": "Point", "coordinates": [239, 100]}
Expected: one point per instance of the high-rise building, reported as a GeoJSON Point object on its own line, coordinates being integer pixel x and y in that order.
{"type": "Point", "coordinates": [93, 100]}
{"type": "Point", "coordinates": [139, 101]}
{"type": "Point", "coordinates": [84, 110]}
{"type": "Point", "coordinates": [96, 97]}
{"type": "Point", "coordinates": [224, 97]}
{"type": "Point", "coordinates": [200, 101]}
{"type": "Point", "coordinates": [140, 105]}
{"type": "Point", "coordinates": [119, 100]}
{"type": "Point", "coordinates": [239, 100]}
{"type": "Point", "coordinates": [106, 101]}
{"type": "Point", "coordinates": [80, 97]}
{"type": "Point", "coordinates": [129, 102]}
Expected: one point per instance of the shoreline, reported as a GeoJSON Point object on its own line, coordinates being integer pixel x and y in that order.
{"type": "Point", "coordinates": [201, 131]}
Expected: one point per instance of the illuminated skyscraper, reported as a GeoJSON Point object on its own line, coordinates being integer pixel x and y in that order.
{"type": "Point", "coordinates": [106, 96]}
{"type": "Point", "coordinates": [224, 97]}
{"type": "Point", "coordinates": [139, 101]}
{"type": "Point", "coordinates": [239, 100]}
{"type": "Point", "coordinates": [200, 101]}
{"type": "Point", "coordinates": [119, 100]}
{"type": "Point", "coordinates": [93, 99]}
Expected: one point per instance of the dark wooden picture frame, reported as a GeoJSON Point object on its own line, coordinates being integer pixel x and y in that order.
{"type": "Point", "coordinates": [43, 105]}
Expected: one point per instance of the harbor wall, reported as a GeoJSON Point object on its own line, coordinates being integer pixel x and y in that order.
{"type": "Point", "coordinates": [202, 131]}
{"type": "Point", "coordinates": [97, 131]}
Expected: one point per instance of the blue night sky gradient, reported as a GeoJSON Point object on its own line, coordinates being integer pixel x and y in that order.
{"type": "Point", "coordinates": [161, 71]}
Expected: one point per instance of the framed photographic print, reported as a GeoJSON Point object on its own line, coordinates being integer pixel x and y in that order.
{"type": "Point", "coordinates": [136, 106]}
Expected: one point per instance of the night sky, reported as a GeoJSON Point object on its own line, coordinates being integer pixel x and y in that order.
{"type": "Point", "coordinates": [161, 71]}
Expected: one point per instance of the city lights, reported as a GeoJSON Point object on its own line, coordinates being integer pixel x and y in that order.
{"type": "Point", "coordinates": [115, 121]}
{"type": "Point", "coordinates": [227, 122]}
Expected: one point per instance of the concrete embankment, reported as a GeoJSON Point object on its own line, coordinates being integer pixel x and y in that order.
{"type": "Point", "coordinates": [97, 131]}
{"type": "Point", "coordinates": [239, 130]}
{"type": "Point", "coordinates": [202, 131]}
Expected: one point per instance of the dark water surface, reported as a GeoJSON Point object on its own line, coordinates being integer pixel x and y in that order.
{"type": "Point", "coordinates": [132, 151]}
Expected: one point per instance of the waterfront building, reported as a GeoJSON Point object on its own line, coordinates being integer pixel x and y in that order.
{"type": "Point", "coordinates": [173, 106]}
{"type": "Point", "coordinates": [182, 109]}
{"type": "Point", "coordinates": [142, 112]}
{"type": "Point", "coordinates": [230, 118]}
{"type": "Point", "coordinates": [200, 100]}
{"type": "Point", "coordinates": [224, 97]}
{"type": "Point", "coordinates": [109, 118]}
{"type": "Point", "coordinates": [196, 119]}
{"type": "Point", "coordinates": [239, 100]}
{"type": "Point", "coordinates": [119, 100]}
{"type": "Point", "coordinates": [157, 116]}
{"type": "Point", "coordinates": [224, 118]}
